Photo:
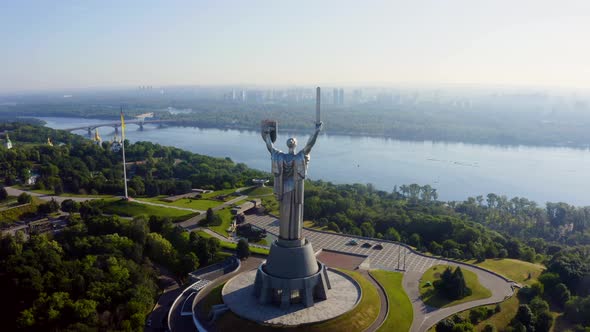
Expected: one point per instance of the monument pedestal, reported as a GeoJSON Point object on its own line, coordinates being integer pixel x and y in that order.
{"type": "Point", "coordinates": [291, 274]}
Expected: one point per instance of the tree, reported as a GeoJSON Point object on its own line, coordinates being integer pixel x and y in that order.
{"type": "Point", "coordinates": [159, 249]}
{"type": "Point", "coordinates": [70, 206]}
{"type": "Point", "coordinates": [452, 284]}
{"type": "Point", "coordinates": [137, 184]}
{"type": "Point", "coordinates": [392, 235]}
{"type": "Point", "coordinates": [58, 189]}
{"type": "Point", "coordinates": [334, 227]}
{"type": "Point", "coordinates": [460, 289]}
{"type": "Point", "coordinates": [538, 305]}
{"type": "Point", "coordinates": [243, 249]}
{"type": "Point", "coordinates": [489, 328]}
{"type": "Point", "coordinates": [188, 263]}
{"type": "Point", "coordinates": [367, 229]}
{"type": "Point", "coordinates": [414, 240]}
{"type": "Point", "coordinates": [210, 216]}
{"type": "Point", "coordinates": [476, 315]}
{"type": "Point", "coordinates": [544, 322]}
{"type": "Point", "coordinates": [560, 294]}
{"type": "Point", "coordinates": [3, 193]}
{"type": "Point", "coordinates": [445, 325]}
{"type": "Point", "coordinates": [524, 316]}
{"type": "Point", "coordinates": [24, 198]}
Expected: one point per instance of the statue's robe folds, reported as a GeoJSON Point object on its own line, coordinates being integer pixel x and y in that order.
{"type": "Point", "coordinates": [289, 172]}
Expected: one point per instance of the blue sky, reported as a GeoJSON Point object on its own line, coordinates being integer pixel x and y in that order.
{"type": "Point", "coordinates": [79, 44]}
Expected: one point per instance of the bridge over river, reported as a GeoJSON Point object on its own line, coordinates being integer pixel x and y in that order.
{"type": "Point", "coordinates": [117, 124]}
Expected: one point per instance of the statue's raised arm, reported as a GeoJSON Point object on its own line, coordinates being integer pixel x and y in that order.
{"type": "Point", "coordinates": [268, 131]}
{"type": "Point", "coordinates": [313, 138]}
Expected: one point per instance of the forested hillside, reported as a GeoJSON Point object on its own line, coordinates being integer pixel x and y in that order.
{"type": "Point", "coordinates": [76, 165]}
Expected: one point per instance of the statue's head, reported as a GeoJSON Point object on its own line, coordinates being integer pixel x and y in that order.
{"type": "Point", "coordinates": [292, 144]}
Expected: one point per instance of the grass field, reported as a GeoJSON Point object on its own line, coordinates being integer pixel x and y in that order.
{"type": "Point", "coordinates": [232, 246]}
{"type": "Point", "coordinates": [518, 271]}
{"type": "Point", "coordinates": [271, 204]}
{"type": "Point", "coordinates": [257, 191]}
{"type": "Point", "coordinates": [311, 224]}
{"type": "Point", "coordinates": [132, 209]}
{"type": "Point", "coordinates": [513, 269]}
{"type": "Point", "coordinates": [400, 308]}
{"type": "Point", "coordinates": [8, 202]}
{"type": "Point", "coordinates": [197, 204]}
{"type": "Point", "coordinates": [8, 217]}
{"type": "Point", "coordinates": [226, 219]}
{"type": "Point", "coordinates": [219, 193]}
{"type": "Point", "coordinates": [51, 192]}
{"type": "Point", "coordinates": [431, 297]}
{"type": "Point", "coordinates": [358, 319]}
{"type": "Point", "coordinates": [213, 298]}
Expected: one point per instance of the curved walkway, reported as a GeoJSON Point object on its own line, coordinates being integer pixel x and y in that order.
{"type": "Point", "coordinates": [399, 257]}
{"type": "Point", "coordinates": [384, 308]}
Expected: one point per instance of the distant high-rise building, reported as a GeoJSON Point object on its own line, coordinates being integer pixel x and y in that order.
{"type": "Point", "coordinates": [335, 96]}
{"type": "Point", "coordinates": [341, 96]}
{"type": "Point", "coordinates": [357, 96]}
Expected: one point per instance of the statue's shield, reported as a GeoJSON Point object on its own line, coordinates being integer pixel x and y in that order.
{"type": "Point", "coordinates": [270, 126]}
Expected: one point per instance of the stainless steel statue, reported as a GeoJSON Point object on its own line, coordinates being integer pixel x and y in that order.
{"type": "Point", "coordinates": [289, 170]}
{"type": "Point", "coordinates": [291, 273]}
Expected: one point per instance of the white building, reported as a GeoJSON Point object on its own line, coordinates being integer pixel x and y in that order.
{"type": "Point", "coordinates": [8, 143]}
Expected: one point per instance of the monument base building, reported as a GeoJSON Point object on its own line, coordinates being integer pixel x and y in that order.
{"type": "Point", "coordinates": [291, 274]}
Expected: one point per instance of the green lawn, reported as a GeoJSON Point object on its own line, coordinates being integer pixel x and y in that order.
{"type": "Point", "coordinates": [513, 269]}
{"type": "Point", "coordinates": [51, 192]}
{"type": "Point", "coordinates": [400, 308]}
{"type": "Point", "coordinates": [312, 225]}
{"type": "Point", "coordinates": [218, 193]}
{"type": "Point", "coordinates": [197, 204]}
{"type": "Point", "coordinates": [361, 317]}
{"type": "Point", "coordinates": [358, 319]}
{"type": "Point", "coordinates": [226, 219]}
{"type": "Point", "coordinates": [431, 297]}
{"type": "Point", "coordinates": [257, 191]}
{"type": "Point", "coordinates": [213, 298]}
{"type": "Point", "coordinates": [271, 204]}
{"type": "Point", "coordinates": [518, 271]}
{"type": "Point", "coordinates": [232, 246]}
{"type": "Point", "coordinates": [132, 209]}
{"type": "Point", "coordinates": [8, 202]}
{"type": "Point", "coordinates": [8, 217]}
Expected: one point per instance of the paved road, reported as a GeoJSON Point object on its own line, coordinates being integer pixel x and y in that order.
{"type": "Point", "coordinates": [172, 290]}
{"type": "Point", "coordinates": [15, 192]}
{"type": "Point", "coordinates": [395, 257]}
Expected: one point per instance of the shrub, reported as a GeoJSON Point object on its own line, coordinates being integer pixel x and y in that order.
{"type": "Point", "coordinates": [24, 198]}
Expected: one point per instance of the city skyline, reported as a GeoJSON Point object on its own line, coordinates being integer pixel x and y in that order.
{"type": "Point", "coordinates": [66, 45]}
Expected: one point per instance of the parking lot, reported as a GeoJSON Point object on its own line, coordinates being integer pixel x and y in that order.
{"type": "Point", "coordinates": [391, 257]}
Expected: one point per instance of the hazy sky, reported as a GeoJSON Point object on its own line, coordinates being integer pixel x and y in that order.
{"type": "Point", "coordinates": [57, 44]}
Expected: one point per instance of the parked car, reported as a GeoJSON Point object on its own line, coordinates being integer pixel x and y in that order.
{"type": "Point", "coordinates": [367, 245]}
{"type": "Point", "coordinates": [352, 242]}
{"type": "Point", "coordinates": [377, 247]}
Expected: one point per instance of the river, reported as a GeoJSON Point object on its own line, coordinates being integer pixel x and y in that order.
{"type": "Point", "coordinates": [457, 170]}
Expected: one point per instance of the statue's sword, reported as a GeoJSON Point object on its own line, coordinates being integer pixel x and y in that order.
{"type": "Point", "coordinates": [317, 105]}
